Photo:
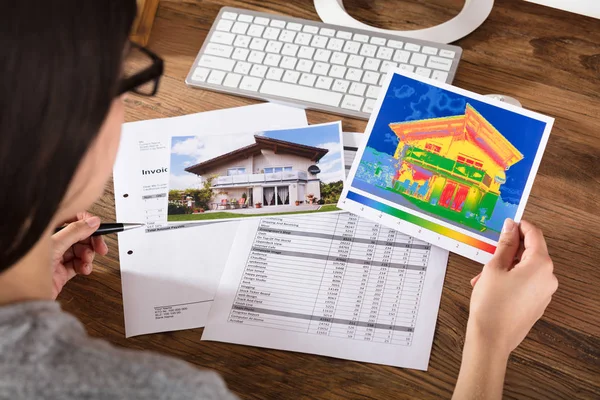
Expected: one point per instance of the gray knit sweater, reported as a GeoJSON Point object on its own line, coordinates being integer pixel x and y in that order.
{"type": "Point", "coordinates": [45, 353]}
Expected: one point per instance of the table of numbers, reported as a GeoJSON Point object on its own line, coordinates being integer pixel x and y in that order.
{"type": "Point", "coordinates": [337, 275]}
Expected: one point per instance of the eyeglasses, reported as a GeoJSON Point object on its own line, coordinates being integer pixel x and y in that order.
{"type": "Point", "coordinates": [141, 72]}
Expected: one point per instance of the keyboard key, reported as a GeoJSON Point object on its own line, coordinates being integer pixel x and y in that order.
{"type": "Point", "coordinates": [243, 68]}
{"type": "Point", "coordinates": [221, 50]}
{"type": "Point", "coordinates": [354, 74]}
{"type": "Point", "coordinates": [327, 32]}
{"type": "Point", "coordinates": [401, 56]}
{"type": "Point", "coordinates": [250, 83]}
{"type": "Point", "coordinates": [224, 25]}
{"type": "Point", "coordinates": [355, 61]}
{"type": "Point", "coordinates": [310, 29]}
{"type": "Point", "coordinates": [301, 93]}
{"type": "Point", "coordinates": [381, 80]}
{"type": "Point", "coordinates": [256, 30]}
{"type": "Point", "coordinates": [290, 49]}
{"type": "Point", "coordinates": [439, 63]}
{"type": "Point", "coordinates": [418, 59]}
{"type": "Point", "coordinates": [368, 107]}
{"type": "Point", "coordinates": [278, 23]}
{"type": "Point", "coordinates": [373, 91]}
{"type": "Point", "coordinates": [339, 58]}
{"type": "Point", "coordinates": [242, 41]}
{"type": "Point", "coordinates": [240, 28]}
{"type": "Point", "coordinates": [258, 70]}
{"type": "Point", "coordinates": [385, 53]}
{"type": "Point", "coordinates": [387, 65]}
{"type": "Point", "coordinates": [357, 89]}
{"type": "Point", "coordinates": [271, 33]}
{"type": "Point", "coordinates": [340, 86]}
{"type": "Point", "coordinates": [222, 37]}
{"type": "Point", "coordinates": [429, 50]}
{"type": "Point", "coordinates": [351, 47]}
{"type": "Point", "coordinates": [287, 36]}
{"type": "Point", "coordinates": [288, 62]}
{"type": "Point", "coordinates": [294, 26]}
{"type": "Point", "coordinates": [439, 76]}
{"type": "Point", "coordinates": [371, 77]}
{"type": "Point", "coordinates": [379, 41]}
{"type": "Point", "coordinates": [245, 18]}
{"type": "Point", "coordinates": [275, 74]}
{"type": "Point", "coordinates": [261, 21]}
{"type": "Point", "coordinates": [337, 71]}
{"type": "Point", "coordinates": [423, 72]}
{"type": "Point", "coordinates": [447, 53]}
{"type": "Point", "coordinates": [322, 55]}
{"type": "Point", "coordinates": [319, 41]}
{"type": "Point", "coordinates": [321, 68]}
{"type": "Point", "coordinates": [291, 76]}
{"type": "Point", "coordinates": [303, 39]}
{"type": "Point", "coordinates": [306, 52]}
{"type": "Point", "coordinates": [361, 38]}
{"type": "Point", "coordinates": [229, 15]}
{"type": "Point", "coordinates": [324, 82]}
{"type": "Point", "coordinates": [407, 68]}
{"type": "Point", "coordinates": [213, 62]}
{"type": "Point", "coordinates": [396, 44]}
{"type": "Point", "coordinates": [335, 44]}
{"type": "Point", "coordinates": [368, 50]}
{"type": "Point", "coordinates": [307, 80]}
{"type": "Point", "coordinates": [200, 74]}
{"type": "Point", "coordinates": [256, 57]}
{"type": "Point", "coordinates": [344, 35]}
{"type": "Point", "coordinates": [258, 44]}
{"type": "Point", "coordinates": [232, 80]}
{"type": "Point", "coordinates": [304, 65]}
{"type": "Point", "coordinates": [412, 47]}
{"type": "Point", "coordinates": [272, 60]}
{"type": "Point", "coordinates": [273, 47]}
{"type": "Point", "coordinates": [372, 64]}
{"type": "Point", "coordinates": [352, 102]}
{"type": "Point", "coordinates": [216, 77]}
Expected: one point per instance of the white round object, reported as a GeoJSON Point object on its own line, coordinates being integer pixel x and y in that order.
{"type": "Point", "coordinates": [473, 14]}
{"type": "Point", "coordinates": [505, 99]}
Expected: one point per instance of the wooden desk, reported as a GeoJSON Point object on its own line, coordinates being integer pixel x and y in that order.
{"type": "Point", "coordinates": [550, 61]}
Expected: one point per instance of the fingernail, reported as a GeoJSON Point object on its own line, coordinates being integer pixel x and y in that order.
{"type": "Point", "coordinates": [508, 226]}
{"type": "Point", "coordinates": [93, 222]}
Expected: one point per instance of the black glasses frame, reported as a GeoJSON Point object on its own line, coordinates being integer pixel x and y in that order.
{"type": "Point", "coordinates": [152, 73]}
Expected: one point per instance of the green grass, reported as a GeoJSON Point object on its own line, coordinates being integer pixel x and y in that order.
{"type": "Point", "coordinates": [225, 215]}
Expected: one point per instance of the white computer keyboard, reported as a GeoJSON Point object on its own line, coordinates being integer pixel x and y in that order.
{"type": "Point", "coordinates": [310, 64]}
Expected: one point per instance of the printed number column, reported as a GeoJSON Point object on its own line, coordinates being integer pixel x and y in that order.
{"type": "Point", "coordinates": [365, 244]}
{"type": "Point", "coordinates": [393, 285]}
{"type": "Point", "coordinates": [282, 275]}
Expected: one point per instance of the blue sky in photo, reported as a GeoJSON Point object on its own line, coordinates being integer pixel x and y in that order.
{"type": "Point", "coordinates": [408, 99]}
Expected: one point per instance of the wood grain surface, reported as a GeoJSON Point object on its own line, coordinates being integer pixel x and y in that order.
{"type": "Point", "coordinates": [550, 61]}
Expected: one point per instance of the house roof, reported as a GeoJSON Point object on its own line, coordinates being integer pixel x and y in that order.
{"type": "Point", "coordinates": [262, 143]}
{"type": "Point", "coordinates": [471, 126]}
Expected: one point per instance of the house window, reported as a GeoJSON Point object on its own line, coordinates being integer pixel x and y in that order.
{"type": "Point", "coordinates": [270, 170]}
{"type": "Point", "coordinates": [236, 171]}
{"type": "Point", "coordinates": [463, 159]}
{"type": "Point", "coordinates": [434, 148]}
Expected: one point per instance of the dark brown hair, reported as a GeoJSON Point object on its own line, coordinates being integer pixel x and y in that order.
{"type": "Point", "coordinates": [60, 63]}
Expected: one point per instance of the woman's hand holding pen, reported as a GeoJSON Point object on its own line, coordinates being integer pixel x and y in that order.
{"type": "Point", "coordinates": [74, 249]}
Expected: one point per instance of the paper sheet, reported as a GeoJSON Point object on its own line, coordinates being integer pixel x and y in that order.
{"type": "Point", "coordinates": [169, 277]}
{"type": "Point", "coordinates": [334, 285]}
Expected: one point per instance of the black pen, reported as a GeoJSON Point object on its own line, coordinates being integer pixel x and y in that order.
{"type": "Point", "coordinates": [105, 229]}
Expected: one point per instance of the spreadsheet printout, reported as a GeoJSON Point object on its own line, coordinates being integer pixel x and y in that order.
{"type": "Point", "coordinates": [330, 284]}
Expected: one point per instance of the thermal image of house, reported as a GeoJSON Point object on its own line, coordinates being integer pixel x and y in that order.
{"type": "Point", "coordinates": [456, 162]}
{"type": "Point", "coordinates": [270, 171]}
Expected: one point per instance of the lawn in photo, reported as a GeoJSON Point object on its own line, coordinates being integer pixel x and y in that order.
{"type": "Point", "coordinates": [279, 172]}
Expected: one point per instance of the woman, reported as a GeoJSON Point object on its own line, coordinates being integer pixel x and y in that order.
{"type": "Point", "coordinates": [64, 73]}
